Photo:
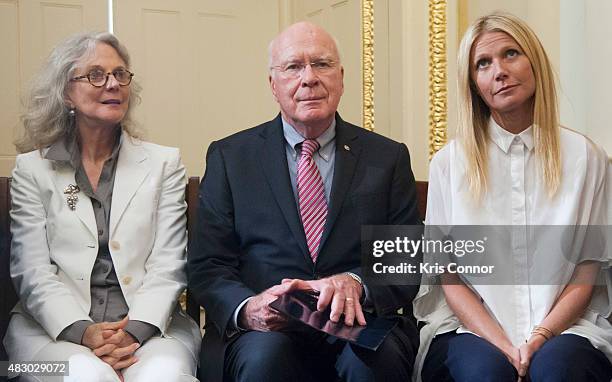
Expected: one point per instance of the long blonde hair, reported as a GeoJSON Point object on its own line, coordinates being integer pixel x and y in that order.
{"type": "Point", "coordinates": [46, 118]}
{"type": "Point", "coordinates": [474, 114]}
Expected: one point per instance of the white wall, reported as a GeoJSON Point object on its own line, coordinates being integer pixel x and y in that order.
{"type": "Point", "coordinates": [598, 57]}
{"type": "Point", "coordinates": [574, 87]}
{"type": "Point", "coordinates": [409, 81]}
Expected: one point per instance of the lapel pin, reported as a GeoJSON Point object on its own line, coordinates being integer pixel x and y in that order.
{"type": "Point", "coordinates": [347, 148]}
{"type": "Point", "coordinates": [71, 195]}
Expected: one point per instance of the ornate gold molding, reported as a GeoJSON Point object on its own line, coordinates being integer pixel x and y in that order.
{"type": "Point", "coordinates": [437, 76]}
{"type": "Point", "coordinates": [367, 62]}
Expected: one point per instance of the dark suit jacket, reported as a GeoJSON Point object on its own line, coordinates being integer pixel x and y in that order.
{"type": "Point", "coordinates": [250, 235]}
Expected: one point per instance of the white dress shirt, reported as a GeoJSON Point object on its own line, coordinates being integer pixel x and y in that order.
{"type": "Point", "coordinates": [516, 195]}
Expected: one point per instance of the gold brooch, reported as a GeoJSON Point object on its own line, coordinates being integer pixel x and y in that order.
{"type": "Point", "coordinates": [71, 191]}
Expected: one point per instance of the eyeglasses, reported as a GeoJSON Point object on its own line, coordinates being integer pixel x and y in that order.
{"type": "Point", "coordinates": [296, 69]}
{"type": "Point", "coordinates": [99, 78]}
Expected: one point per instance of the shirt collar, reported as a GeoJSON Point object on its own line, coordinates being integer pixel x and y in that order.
{"type": "Point", "coordinates": [67, 150]}
{"type": "Point", "coordinates": [62, 149]}
{"type": "Point", "coordinates": [325, 140]}
{"type": "Point", "coordinates": [504, 138]}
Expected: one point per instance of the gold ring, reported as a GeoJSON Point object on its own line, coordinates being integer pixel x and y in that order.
{"type": "Point", "coordinates": [349, 299]}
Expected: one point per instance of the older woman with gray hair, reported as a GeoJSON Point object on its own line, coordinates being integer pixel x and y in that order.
{"type": "Point", "coordinates": [98, 225]}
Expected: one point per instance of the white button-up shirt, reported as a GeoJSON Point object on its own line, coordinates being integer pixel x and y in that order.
{"type": "Point", "coordinates": [516, 195]}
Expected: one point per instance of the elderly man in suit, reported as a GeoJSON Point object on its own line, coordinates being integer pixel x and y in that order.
{"type": "Point", "coordinates": [281, 206]}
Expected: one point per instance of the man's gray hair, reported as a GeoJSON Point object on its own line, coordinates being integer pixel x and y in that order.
{"type": "Point", "coordinates": [271, 47]}
{"type": "Point", "coordinates": [46, 118]}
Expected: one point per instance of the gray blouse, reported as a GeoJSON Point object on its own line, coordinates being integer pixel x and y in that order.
{"type": "Point", "coordinates": [107, 301]}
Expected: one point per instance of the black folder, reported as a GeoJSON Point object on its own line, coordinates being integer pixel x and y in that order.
{"type": "Point", "coordinates": [302, 306]}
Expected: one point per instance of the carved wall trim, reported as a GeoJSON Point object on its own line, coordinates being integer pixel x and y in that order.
{"type": "Point", "coordinates": [438, 92]}
{"type": "Point", "coordinates": [367, 61]}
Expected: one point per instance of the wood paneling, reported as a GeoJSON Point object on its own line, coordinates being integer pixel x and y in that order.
{"type": "Point", "coordinates": [342, 19]}
{"type": "Point", "coordinates": [10, 80]}
{"type": "Point", "coordinates": [202, 66]}
{"type": "Point", "coordinates": [28, 32]}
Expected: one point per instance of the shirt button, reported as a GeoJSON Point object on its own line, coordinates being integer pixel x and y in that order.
{"type": "Point", "coordinates": [127, 280]}
{"type": "Point", "coordinates": [100, 232]}
{"type": "Point", "coordinates": [115, 245]}
{"type": "Point", "coordinates": [101, 301]}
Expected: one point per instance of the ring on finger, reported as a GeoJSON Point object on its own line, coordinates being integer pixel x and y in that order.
{"type": "Point", "coordinates": [349, 299]}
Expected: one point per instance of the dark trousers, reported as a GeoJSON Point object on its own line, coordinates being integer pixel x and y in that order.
{"type": "Point", "coordinates": [466, 357]}
{"type": "Point", "coordinates": [312, 356]}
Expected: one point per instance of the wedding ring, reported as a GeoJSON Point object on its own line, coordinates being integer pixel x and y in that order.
{"type": "Point", "coordinates": [349, 299]}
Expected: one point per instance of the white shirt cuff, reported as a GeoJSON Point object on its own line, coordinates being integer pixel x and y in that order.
{"type": "Point", "coordinates": [237, 311]}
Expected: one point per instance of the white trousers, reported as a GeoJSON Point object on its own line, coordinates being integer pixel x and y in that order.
{"type": "Point", "coordinates": [159, 360]}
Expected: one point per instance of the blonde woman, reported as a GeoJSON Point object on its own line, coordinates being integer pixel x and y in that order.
{"type": "Point", "coordinates": [98, 225]}
{"type": "Point", "coordinates": [512, 165]}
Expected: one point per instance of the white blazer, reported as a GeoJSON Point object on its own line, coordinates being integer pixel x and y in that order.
{"type": "Point", "coordinates": [53, 248]}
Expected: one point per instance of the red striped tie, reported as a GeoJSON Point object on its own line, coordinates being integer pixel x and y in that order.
{"type": "Point", "coordinates": [311, 196]}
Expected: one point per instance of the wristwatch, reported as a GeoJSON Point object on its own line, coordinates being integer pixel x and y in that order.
{"type": "Point", "coordinates": [358, 279]}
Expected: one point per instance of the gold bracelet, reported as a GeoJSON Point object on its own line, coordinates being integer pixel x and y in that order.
{"type": "Point", "coordinates": [534, 333]}
{"type": "Point", "coordinates": [543, 331]}
{"type": "Point", "coordinates": [544, 328]}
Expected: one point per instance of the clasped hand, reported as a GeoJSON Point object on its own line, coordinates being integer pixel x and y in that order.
{"type": "Point", "coordinates": [340, 291]}
{"type": "Point", "coordinates": [112, 344]}
{"type": "Point", "coordinates": [521, 357]}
